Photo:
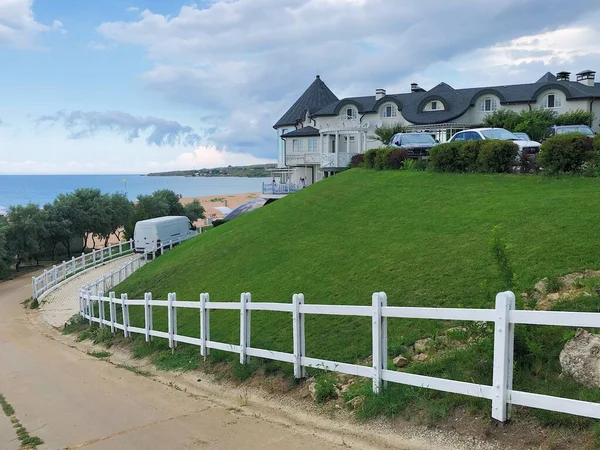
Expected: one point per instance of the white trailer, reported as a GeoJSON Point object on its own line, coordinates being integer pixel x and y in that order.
{"type": "Point", "coordinates": [152, 233]}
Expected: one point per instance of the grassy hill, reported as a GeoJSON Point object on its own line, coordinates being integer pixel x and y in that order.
{"type": "Point", "coordinates": [421, 237]}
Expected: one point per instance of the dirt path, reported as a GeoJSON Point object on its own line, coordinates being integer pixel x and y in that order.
{"type": "Point", "coordinates": [63, 303]}
{"type": "Point", "coordinates": [73, 400]}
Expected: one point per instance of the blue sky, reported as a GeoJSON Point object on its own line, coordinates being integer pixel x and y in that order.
{"type": "Point", "coordinates": [116, 86]}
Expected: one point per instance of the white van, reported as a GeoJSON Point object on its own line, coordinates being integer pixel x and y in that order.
{"type": "Point", "coordinates": [150, 234]}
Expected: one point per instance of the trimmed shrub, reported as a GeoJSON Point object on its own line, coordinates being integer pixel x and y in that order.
{"type": "Point", "coordinates": [357, 160]}
{"type": "Point", "coordinates": [369, 161]}
{"type": "Point", "coordinates": [577, 117]}
{"type": "Point", "coordinates": [396, 158]}
{"type": "Point", "coordinates": [443, 157]}
{"type": "Point", "coordinates": [466, 156]}
{"type": "Point", "coordinates": [496, 156]}
{"type": "Point", "coordinates": [597, 143]}
{"type": "Point", "coordinates": [566, 153]}
{"type": "Point", "coordinates": [381, 161]}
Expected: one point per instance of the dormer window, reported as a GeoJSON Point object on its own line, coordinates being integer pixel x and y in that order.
{"type": "Point", "coordinates": [552, 101]}
{"type": "Point", "coordinates": [388, 111]}
{"type": "Point", "coordinates": [434, 105]}
{"type": "Point", "coordinates": [488, 104]}
{"type": "Point", "coordinates": [350, 113]}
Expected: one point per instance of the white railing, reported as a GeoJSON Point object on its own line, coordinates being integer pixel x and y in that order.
{"type": "Point", "coordinates": [279, 188]}
{"type": "Point", "coordinates": [59, 273]}
{"type": "Point", "coordinates": [504, 317]}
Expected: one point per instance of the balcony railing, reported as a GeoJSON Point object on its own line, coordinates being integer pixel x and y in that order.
{"type": "Point", "coordinates": [335, 160]}
{"type": "Point", "coordinates": [279, 188]}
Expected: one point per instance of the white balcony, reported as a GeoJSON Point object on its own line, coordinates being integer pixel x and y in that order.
{"type": "Point", "coordinates": [301, 159]}
{"type": "Point", "coordinates": [336, 160]}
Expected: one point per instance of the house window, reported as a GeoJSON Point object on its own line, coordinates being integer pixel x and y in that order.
{"type": "Point", "coordinates": [350, 113]}
{"type": "Point", "coordinates": [388, 111]}
{"type": "Point", "coordinates": [297, 145]}
{"type": "Point", "coordinates": [488, 104]}
{"type": "Point", "coordinates": [434, 106]}
{"type": "Point", "coordinates": [312, 145]}
{"type": "Point", "coordinates": [552, 101]}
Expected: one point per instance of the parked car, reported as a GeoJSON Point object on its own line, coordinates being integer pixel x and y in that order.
{"type": "Point", "coordinates": [476, 134]}
{"type": "Point", "coordinates": [417, 144]}
{"type": "Point", "coordinates": [566, 129]}
{"type": "Point", "coordinates": [149, 234]}
{"type": "Point", "coordinates": [522, 136]}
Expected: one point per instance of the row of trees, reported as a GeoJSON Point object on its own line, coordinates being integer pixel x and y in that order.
{"type": "Point", "coordinates": [536, 122]}
{"type": "Point", "coordinates": [30, 233]}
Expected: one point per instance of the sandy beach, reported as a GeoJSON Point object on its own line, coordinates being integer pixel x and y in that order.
{"type": "Point", "coordinates": [209, 202]}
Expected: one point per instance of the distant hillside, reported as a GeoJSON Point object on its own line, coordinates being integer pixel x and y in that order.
{"type": "Point", "coordinates": [257, 171]}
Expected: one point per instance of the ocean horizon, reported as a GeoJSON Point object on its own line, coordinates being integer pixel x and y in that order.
{"type": "Point", "coordinates": [43, 189]}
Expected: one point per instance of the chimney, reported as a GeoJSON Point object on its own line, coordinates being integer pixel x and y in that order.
{"type": "Point", "coordinates": [379, 94]}
{"type": "Point", "coordinates": [586, 77]}
{"type": "Point", "coordinates": [414, 87]}
{"type": "Point", "coordinates": [563, 76]}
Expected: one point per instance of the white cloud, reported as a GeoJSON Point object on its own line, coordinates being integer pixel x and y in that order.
{"type": "Point", "coordinates": [18, 27]}
{"type": "Point", "coordinates": [244, 62]}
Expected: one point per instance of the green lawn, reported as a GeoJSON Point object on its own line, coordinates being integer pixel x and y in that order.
{"type": "Point", "coordinates": [421, 237]}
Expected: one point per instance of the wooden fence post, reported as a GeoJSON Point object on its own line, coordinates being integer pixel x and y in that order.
{"type": "Point", "coordinates": [125, 309]}
{"type": "Point", "coordinates": [120, 248]}
{"type": "Point", "coordinates": [377, 351]}
{"type": "Point", "coordinates": [384, 336]}
{"type": "Point", "coordinates": [245, 315]}
{"type": "Point", "coordinates": [90, 306]}
{"type": "Point", "coordinates": [147, 296]}
{"type": "Point", "coordinates": [170, 319]}
{"type": "Point", "coordinates": [298, 338]}
{"type": "Point", "coordinates": [503, 356]}
{"type": "Point", "coordinates": [204, 325]}
{"type": "Point", "coordinates": [112, 310]}
{"type": "Point", "coordinates": [101, 308]}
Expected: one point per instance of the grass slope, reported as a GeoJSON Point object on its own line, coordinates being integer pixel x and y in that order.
{"type": "Point", "coordinates": [421, 237]}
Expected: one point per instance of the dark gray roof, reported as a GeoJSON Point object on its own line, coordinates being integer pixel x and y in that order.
{"type": "Point", "coordinates": [314, 98]}
{"type": "Point", "coordinates": [302, 132]}
{"type": "Point", "coordinates": [457, 101]}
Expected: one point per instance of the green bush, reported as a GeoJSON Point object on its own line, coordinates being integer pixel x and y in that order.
{"type": "Point", "coordinates": [466, 158]}
{"type": "Point", "coordinates": [381, 158]}
{"type": "Point", "coordinates": [496, 156]}
{"type": "Point", "coordinates": [502, 118]}
{"type": "Point", "coordinates": [566, 153]}
{"type": "Point", "coordinates": [369, 161]}
{"type": "Point", "coordinates": [443, 157]}
{"type": "Point", "coordinates": [577, 117]}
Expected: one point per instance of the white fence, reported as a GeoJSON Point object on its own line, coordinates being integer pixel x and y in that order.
{"type": "Point", "coordinates": [52, 277]}
{"type": "Point", "coordinates": [504, 317]}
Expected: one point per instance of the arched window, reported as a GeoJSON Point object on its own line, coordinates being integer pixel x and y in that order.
{"type": "Point", "coordinates": [389, 110]}
{"type": "Point", "coordinates": [434, 105]}
{"type": "Point", "coordinates": [488, 104]}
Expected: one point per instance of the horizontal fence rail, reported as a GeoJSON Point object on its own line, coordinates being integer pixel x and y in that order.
{"type": "Point", "coordinates": [59, 273]}
{"type": "Point", "coordinates": [504, 316]}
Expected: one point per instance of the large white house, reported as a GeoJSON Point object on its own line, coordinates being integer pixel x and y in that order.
{"type": "Point", "coordinates": [320, 133]}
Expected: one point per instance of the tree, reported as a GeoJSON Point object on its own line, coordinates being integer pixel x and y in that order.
{"type": "Point", "coordinates": [577, 117]}
{"type": "Point", "coordinates": [502, 118]}
{"type": "Point", "coordinates": [56, 229]}
{"type": "Point", "coordinates": [194, 211]}
{"type": "Point", "coordinates": [121, 212]}
{"type": "Point", "coordinates": [536, 122]}
{"type": "Point", "coordinates": [24, 233]}
{"type": "Point", "coordinates": [386, 132]}
{"type": "Point", "coordinates": [4, 255]}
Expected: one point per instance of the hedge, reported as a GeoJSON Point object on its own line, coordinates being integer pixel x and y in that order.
{"type": "Point", "coordinates": [490, 155]}
{"type": "Point", "coordinates": [384, 158]}
{"type": "Point", "coordinates": [568, 153]}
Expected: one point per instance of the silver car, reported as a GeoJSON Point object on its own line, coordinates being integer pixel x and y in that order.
{"type": "Point", "coordinates": [476, 134]}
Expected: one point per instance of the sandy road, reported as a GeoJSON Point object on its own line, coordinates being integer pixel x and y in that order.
{"type": "Point", "coordinates": [72, 400]}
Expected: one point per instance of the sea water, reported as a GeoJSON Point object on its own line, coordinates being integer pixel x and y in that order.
{"type": "Point", "coordinates": [42, 189]}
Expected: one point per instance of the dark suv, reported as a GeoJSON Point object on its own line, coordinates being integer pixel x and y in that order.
{"type": "Point", "coordinates": [416, 144]}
